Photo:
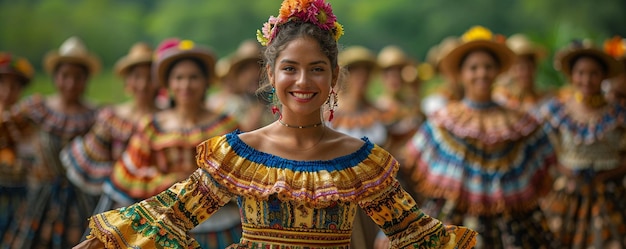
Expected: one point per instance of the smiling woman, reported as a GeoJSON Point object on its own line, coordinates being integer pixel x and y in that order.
{"type": "Point", "coordinates": [298, 183]}
{"type": "Point", "coordinates": [481, 165]}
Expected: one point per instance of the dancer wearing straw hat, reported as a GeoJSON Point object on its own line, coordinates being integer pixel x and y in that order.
{"type": "Point", "coordinates": [89, 159]}
{"type": "Point", "coordinates": [520, 92]}
{"type": "Point", "coordinates": [160, 152]}
{"type": "Point", "coordinates": [57, 209]}
{"type": "Point", "coordinates": [478, 164]}
{"type": "Point", "coordinates": [239, 75]}
{"type": "Point", "coordinates": [15, 74]}
{"type": "Point", "coordinates": [585, 208]}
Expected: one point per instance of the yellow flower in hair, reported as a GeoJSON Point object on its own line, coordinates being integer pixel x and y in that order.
{"type": "Point", "coordinates": [338, 31]}
{"type": "Point", "coordinates": [477, 33]}
{"type": "Point", "coordinates": [185, 45]}
{"type": "Point", "coordinates": [24, 67]}
{"type": "Point", "coordinates": [615, 47]}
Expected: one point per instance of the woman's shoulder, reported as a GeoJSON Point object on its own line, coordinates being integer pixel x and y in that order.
{"type": "Point", "coordinates": [361, 168]}
{"type": "Point", "coordinates": [343, 144]}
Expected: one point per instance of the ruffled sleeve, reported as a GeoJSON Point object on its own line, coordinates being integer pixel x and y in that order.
{"type": "Point", "coordinates": [88, 159]}
{"type": "Point", "coordinates": [162, 221]}
{"type": "Point", "coordinates": [134, 176]}
{"type": "Point", "coordinates": [25, 114]}
{"type": "Point", "coordinates": [395, 211]}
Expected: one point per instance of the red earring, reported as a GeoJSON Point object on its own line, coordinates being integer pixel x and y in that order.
{"type": "Point", "coordinates": [332, 104]}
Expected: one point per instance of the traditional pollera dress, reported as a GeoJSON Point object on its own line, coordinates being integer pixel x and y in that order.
{"type": "Point", "coordinates": [584, 210]}
{"type": "Point", "coordinates": [367, 122]}
{"type": "Point", "coordinates": [89, 159]}
{"type": "Point", "coordinates": [401, 123]}
{"type": "Point", "coordinates": [513, 97]}
{"type": "Point", "coordinates": [57, 209]}
{"type": "Point", "coordinates": [485, 167]}
{"type": "Point", "coordinates": [283, 203]}
{"type": "Point", "coordinates": [155, 159]}
{"type": "Point", "coordinates": [12, 173]}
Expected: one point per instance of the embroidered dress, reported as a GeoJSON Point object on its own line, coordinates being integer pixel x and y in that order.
{"type": "Point", "coordinates": [12, 173]}
{"type": "Point", "coordinates": [367, 122]}
{"type": "Point", "coordinates": [584, 209]}
{"type": "Point", "coordinates": [485, 167]}
{"type": "Point", "coordinates": [514, 98]}
{"type": "Point", "coordinates": [89, 159]}
{"type": "Point", "coordinates": [283, 203]}
{"type": "Point", "coordinates": [57, 209]}
{"type": "Point", "coordinates": [401, 123]}
{"type": "Point", "coordinates": [155, 159]}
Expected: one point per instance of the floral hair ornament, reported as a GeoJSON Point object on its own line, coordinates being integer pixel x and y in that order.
{"type": "Point", "coordinates": [615, 47]}
{"type": "Point", "coordinates": [172, 49]}
{"type": "Point", "coordinates": [317, 12]}
{"type": "Point", "coordinates": [16, 65]}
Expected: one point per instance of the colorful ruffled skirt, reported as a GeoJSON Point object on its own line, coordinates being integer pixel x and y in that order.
{"type": "Point", "coordinates": [584, 213]}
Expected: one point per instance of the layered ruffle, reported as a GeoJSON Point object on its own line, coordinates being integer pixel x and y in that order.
{"type": "Point", "coordinates": [89, 159]}
{"type": "Point", "coordinates": [514, 98]}
{"type": "Point", "coordinates": [362, 123]}
{"type": "Point", "coordinates": [12, 170]}
{"type": "Point", "coordinates": [245, 170]}
{"type": "Point", "coordinates": [63, 125]}
{"type": "Point", "coordinates": [482, 178]}
{"type": "Point", "coordinates": [155, 158]}
{"type": "Point", "coordinates": [584, 131]}
{"type": "Point", "coordinates": [490, 125]}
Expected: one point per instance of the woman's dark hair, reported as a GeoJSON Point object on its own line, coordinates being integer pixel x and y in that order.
{"type": "Point", "coordinates": [602, 63]}
{"type": "Point", "coordinates": [530, 57]}
{"type": "Point", "coordinates": [288, 32]}
{"type": "Point", "coordinates": [486, 50]}
{"type": "Point", "coordinates": [132, 67]}
{"type": "Point", "coordinates": [201, 65]}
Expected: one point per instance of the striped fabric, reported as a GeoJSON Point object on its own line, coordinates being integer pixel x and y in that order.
{"type": "Point", "coordinates": [283, 203]}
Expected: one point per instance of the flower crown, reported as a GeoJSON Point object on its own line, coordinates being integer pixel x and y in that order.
{"type": "Point", "coordinates": [317, 12]}
{"type": "Point", "coordinates": [615, 47]}
{"type": "Point", "coordinates": [18, 64]}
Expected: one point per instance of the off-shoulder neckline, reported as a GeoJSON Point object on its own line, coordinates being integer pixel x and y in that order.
{"type": "Point", "coordinates": [338, 163]}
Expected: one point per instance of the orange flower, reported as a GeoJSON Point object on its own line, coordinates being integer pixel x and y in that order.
{"type": "Point", "coordinates": [615, 46]}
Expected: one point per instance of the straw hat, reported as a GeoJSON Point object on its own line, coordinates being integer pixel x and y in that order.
{"type": "Point", "coordinates": [248, 50]}
{"type": "Point", "coordinates": [521, 45]}
{"type": "Point", "coordinates": [170, 50]}
{"type": "Point", "coordinates": [16, 66]}
{"type": "Point", "coordinates": [139, 53]}
{"type": "Point", "coordinates": [566, 56]}
{"type": "Point", "coordinates": [477, 38]}
{"type": "Point", "coordinates": [436, 53]}
{"type": "Point", "coordinates": [73, 50]}
{"type": "Point", "coordinates": [357, 54]}
{"type": "Point", "coordinates": [391, 56]}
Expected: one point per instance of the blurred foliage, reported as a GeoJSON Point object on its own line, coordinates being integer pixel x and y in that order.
{"type": "Point", "coordinates": [31, 28]}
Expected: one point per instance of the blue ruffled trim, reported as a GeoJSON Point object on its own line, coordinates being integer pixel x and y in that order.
{"type": "Point", "coordinates": [444, 161]}
{"type": "Point", "coordinates": [554, 113]}
{"type": "Point", "coordinates": [337, 164]}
